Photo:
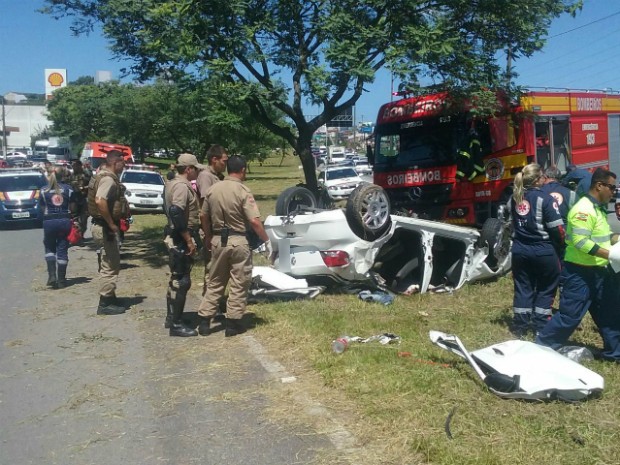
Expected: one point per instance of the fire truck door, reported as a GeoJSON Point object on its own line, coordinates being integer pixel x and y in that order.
{"type": "Point", "coordinates": [553, 142]}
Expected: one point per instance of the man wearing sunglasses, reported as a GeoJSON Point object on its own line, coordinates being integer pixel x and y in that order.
{"type": "Point", "coordinates": [588, 284]}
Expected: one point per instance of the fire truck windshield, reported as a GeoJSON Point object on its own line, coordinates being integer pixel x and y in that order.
{"type": "Point", "coordinates": [424, 142]}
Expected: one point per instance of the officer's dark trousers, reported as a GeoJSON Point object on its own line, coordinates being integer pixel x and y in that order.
{"type": "Point", "coordinates": [55, 232]}
{"type": "Point", "coordinates": [586, 288]}
{"type": "Point", "coordinates": [536, 278]}
{"type": "Point", "coordinates": [180, 281]}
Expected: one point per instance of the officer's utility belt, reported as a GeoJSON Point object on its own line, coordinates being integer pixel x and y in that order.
{"type": "Point", "coordinates": [101, 222]}
{"type": "Point", "coordinates": [225, 233]}
{"type": "Point", "coordinates": [56, 216]}
{"type": "Point", "coordinates": [230, 233]}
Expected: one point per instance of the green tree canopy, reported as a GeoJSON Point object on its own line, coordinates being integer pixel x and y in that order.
{"type": "Point", "coordinates": [323, 52]}
{"type": "Point", "coordinates": [161, 115]}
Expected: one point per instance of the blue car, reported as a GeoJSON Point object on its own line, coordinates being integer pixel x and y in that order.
{"type": "Point", "coordinates": [19, 195]}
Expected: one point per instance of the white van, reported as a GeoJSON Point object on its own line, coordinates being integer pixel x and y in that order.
{"type": "Point", "coordinates": [336, 153]}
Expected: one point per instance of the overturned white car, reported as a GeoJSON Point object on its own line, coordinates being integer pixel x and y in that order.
{"type": "Point", "coordinates": [411, 255]}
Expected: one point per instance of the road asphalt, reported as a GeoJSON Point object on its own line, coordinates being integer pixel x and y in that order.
{"type": "Point", "coordinates": [77, 388]}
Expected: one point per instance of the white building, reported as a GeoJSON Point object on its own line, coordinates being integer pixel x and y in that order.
{"type": "Point", "coordinates": [23, 122]}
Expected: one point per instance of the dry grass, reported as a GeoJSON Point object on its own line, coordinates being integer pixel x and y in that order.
{"type": "Point", "coordinates": [396, 406]}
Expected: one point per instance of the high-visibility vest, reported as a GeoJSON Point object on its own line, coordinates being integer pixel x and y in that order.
{"type": "Point", "coordinates": [587, 227]}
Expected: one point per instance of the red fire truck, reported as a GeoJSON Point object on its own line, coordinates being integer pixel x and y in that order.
{"type": "Point", "coordinates": [418, 139]}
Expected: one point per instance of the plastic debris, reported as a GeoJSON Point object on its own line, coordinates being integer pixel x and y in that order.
{"type": "Point", "coordinates": [343, 342]}
{"type": "Point", "coordinates": [340, 345]}
{"type": "Point", "coordinates": [380, 297]}
{"type": "Point", "coordinates": [576, 353]}
{"type": "Point", "coordinates": [384, 339]}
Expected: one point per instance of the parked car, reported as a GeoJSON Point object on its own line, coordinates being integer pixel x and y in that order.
{"type": "Point", "coordinates": [19, 194]}
{"type": "Point", "coordinates": [145, 188]}
{"type": "Point", "coordinates": [362, 167]}
{"type": "Point", "coordinates": [38, 162]}
{"type": "Point", "coordinates": [339, 180]}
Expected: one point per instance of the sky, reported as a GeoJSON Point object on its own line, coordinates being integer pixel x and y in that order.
{"type": "Point", "coordinates": [581, 53]}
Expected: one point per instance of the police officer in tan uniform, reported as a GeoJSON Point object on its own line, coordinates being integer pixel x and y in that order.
{"type": "Point", "coordinates": [79, 183]}
{"type": "Point", "coordinates": [107, 205]}
{"type": "Point", "coordinates": [214, 172]}
{"type": "Point", "coordinates": [181, 206]}
{"type": "Point", "coordinates": [230, 209]}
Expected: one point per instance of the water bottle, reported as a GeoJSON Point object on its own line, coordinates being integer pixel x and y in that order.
{"type": "Point", "coordinates": [340, 345]}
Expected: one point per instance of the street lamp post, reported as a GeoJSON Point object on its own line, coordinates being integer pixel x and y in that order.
{"type": "Point", "coordinates": [3, 128]}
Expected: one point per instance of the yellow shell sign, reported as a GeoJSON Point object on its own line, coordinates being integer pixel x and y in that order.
{"type": "Point", "coordinates": [55, 79]}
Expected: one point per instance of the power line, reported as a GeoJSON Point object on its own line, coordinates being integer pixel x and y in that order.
{"type": "Point", "coordinates": [585, 25]}
{"type": "Point", "coordinates": [573, 51]}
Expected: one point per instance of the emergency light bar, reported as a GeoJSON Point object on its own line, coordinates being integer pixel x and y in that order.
{"type": "Point", "coordinates": [22, 169]}
{"type": "Point", "coordinates": [140, 167]}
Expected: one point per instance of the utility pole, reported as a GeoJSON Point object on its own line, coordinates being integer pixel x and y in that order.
{"type": "Point", "coordinates": [508, 66]}
{"type": "Point", "coordinates": [3, 129]}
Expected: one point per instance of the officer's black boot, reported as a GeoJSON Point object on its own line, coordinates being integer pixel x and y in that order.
{"type": "Point", "coordinates": [204, 324]}
{"type": "Point", "coordinates": [177, 328]}
{"type": "Point", "coordinates": [169, 310]}
{"type": "Point", "coordinates": [51, 274]}
{"type": "Point", "coordinates": [233, 327]}
{"type": "Point", "coordinates": [62, 276]}
{"type": "Point", "coordinates": [107, 307]}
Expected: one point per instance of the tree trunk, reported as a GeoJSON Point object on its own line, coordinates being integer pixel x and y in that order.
{"type": "Point", "coordinates": [307, 161]}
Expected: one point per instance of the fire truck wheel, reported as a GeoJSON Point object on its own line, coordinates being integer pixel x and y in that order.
{"type": "Point", "coordinates": [292, 198]}
{"type": "Point", "coordinates": [496, 236]}
{"type": "Point", "coordinates": [368, 211]}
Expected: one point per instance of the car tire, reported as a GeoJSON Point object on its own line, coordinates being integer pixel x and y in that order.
{"type": "Point", "coordinates": [496, 235]}
{"type": "Point", "coordinates": [368, 211]}
{"type": "Point", "coordinates": [292, 198]}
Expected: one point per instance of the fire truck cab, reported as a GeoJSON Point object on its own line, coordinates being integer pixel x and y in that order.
{"type": "Point", "coordinates": [418, 141]}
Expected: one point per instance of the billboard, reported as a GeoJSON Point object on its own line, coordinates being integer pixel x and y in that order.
{"type": "Point", "coordinates": [54, 79]}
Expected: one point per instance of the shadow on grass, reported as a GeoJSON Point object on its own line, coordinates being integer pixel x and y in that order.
{"type": "Point", "coordinates": [146, 245]}
{"type": "Point", "coordinates": [504, 320]}
{"type": "Point", "coordinates": [127, 266]}
{"type": "Point", "coordinates": [131, 301]}
{"type": "Point", "coordinates": [253, 176]}
{"type": "Point", "coordinates": [78, 280]}
{"type": "Point", "coordinates": [266, 196]}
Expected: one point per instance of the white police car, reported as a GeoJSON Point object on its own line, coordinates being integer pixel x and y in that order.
{"type": "Point", "coordinates": [145, 188]}
{"type": "Point", "coordinates": [339, 180]}
{"type": "Point", "coordinates": [19, 195]}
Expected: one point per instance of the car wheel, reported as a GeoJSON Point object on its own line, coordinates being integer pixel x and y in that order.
{"type": "Point", "coordinates": [496, 235]}
{"type": "Point", "coordinates": [368, 211]}
{"type": "Point", "coordinates": [293, 198]}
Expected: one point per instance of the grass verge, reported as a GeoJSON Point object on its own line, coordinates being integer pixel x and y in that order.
{"type": "Point", "coordinates": [396, 405]}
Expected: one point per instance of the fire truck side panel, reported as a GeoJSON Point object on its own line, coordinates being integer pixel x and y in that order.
{"type": "Point", "coordinates": [614, 143]}
{"type": "Point", "coordinates": [546, 104]}
{"type": "Point", "coordinates": [588, 132]}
